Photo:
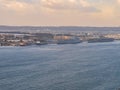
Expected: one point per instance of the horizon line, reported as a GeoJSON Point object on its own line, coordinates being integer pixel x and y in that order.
{"type": "Point", "coordinates": [54, 26]}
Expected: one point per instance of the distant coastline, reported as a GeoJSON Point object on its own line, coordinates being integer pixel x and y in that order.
{"type": "Point", "coordinates": [42, 35]}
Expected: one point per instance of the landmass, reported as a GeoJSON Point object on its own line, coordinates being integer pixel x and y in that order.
{"type": "Point", "coordinates": [11, 37]}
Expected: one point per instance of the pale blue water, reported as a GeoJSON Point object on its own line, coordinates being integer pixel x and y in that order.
{"type": "Point", "coordinates": [84, 66]}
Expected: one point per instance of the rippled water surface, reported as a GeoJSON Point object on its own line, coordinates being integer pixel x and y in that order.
{"type": "Point", "coordinates": [84, 66]}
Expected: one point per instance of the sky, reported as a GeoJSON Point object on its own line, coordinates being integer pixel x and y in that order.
{"type": "Point", "coordinates": [60, 12]}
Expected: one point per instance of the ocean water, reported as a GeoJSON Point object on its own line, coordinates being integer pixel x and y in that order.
{"type": "Point", "coordinates": [84, 66]}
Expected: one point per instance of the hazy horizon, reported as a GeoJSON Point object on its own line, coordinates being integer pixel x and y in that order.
{"type": "Point", "coordinates": [59, 26]}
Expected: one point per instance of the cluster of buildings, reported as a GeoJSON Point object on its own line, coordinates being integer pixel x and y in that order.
{"type": "Point", "coordinates": [10, 39]}
{"type": "Point", "coordinates": [115, 36]}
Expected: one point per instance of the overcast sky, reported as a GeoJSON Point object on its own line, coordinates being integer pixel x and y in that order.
{"type": "Point", "coordinates": [60, 12]}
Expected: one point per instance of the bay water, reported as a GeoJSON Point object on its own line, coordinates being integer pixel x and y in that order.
{"type": "Point", "coordinates": [84, 66]}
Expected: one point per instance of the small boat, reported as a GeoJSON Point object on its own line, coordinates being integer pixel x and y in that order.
{"type": "Point", "coordinates": [40, 43]}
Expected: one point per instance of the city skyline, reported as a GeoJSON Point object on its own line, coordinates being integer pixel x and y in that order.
{"type": "Point", "coordinates": [60, 12]}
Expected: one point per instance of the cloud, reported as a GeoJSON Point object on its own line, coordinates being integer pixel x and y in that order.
{"type": "Point", "coordinates": [15, 5]}
{"type": "Point", "coordinates": [78, 5]}
{"type": "Point", "coordinates": [71, 5]}
{"type": "Point", "coordinates": [37, 12]}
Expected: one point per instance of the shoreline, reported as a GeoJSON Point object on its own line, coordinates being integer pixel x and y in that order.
{"type": "Point", "coordinates": [63, 44]}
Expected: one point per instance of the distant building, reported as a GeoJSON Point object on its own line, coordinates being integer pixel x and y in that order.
{"type": "Point", "coordinates": [114, 36]}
